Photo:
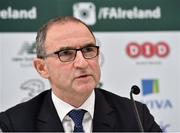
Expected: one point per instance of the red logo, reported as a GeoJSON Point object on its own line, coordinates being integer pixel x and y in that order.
{"type": "Point", "coordinates": [147, 49]}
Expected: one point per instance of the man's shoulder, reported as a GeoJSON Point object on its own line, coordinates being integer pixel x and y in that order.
{"type": "Point", "coordinates": [23, 116]}
{"type": "Point", "coordinates": [116, 100]}
{"type": "Point", "coordinates": [30, 106]}
{"type": "Point", "coordinates": [110, 95]}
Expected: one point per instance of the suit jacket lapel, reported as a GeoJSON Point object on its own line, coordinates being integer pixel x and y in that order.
{"type": "Point", "coordinates": [48, 119]}
{"type": "Point", "coordinates": [104, 117]}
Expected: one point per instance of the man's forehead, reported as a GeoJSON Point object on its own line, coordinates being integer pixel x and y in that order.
{"type": "Point", "coordinates": [68, 30]}
{"type": "Point", "coordinates": [71, 34]}
{"type": "Point", "coordinates": [66, 25]}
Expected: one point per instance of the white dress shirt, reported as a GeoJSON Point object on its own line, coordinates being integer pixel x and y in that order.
{"type": "Point", "coordinates": [63, 109]}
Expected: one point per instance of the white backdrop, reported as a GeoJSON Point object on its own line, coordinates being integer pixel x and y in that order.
{"type": "Point", "coordinates": [139, 42]}
{"type": "Point", "coordinates": [19, 81]}
{"type": "Point", "coordinates": [120, 72]}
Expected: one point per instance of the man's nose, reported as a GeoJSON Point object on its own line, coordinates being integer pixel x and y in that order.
{"type": "Point", "coordinates": [80, 61]}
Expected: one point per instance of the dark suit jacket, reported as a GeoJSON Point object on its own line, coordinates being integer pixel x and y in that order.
{"type": "Point", "coordinates": [112, 113]}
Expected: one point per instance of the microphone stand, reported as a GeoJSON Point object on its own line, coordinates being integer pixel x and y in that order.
{"type": "Point", "coordinates": [134, 90]}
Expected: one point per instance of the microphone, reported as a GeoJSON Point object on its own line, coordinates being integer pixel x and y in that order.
{"type": "Point", "coordinates": [135, 90]}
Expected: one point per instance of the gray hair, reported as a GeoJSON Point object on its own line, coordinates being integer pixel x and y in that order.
{"type": "Point", "coordinates": [41, 34]}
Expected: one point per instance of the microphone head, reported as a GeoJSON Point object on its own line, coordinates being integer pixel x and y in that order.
{"type": "Point", "coordinates": [135, 89]}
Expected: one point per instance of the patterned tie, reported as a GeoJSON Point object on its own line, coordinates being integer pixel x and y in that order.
{"type": "Point", "coordinates": [77, 117]}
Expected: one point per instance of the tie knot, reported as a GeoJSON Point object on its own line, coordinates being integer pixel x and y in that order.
{"type": "Point", "coordinates": [77, 117]}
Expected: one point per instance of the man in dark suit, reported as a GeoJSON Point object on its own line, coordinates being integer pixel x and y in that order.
{"type": "Point", "coordinates": [67, 55]}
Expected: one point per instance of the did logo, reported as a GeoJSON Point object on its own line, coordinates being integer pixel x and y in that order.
{"type": "Point", "coordinates": [148, 49]}
{"type": "Point", "coordinates": [148, 53]}
{"type": "Point", "coordinates": [85, 11]}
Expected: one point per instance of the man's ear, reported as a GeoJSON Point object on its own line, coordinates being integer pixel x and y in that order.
{"type": "Point", "coordinates": [41, 67]}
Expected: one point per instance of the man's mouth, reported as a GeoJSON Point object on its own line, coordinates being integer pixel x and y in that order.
{"type": "Point", "coordinates": [83, 76]}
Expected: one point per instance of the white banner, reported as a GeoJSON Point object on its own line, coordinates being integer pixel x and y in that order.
{"type": "Point", "coordinates": [147, 59]}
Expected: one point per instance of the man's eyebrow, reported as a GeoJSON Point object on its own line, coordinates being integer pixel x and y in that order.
{"type": "Point", "coordinates": [86, 45]}
{"type": "Point", "coordinates": [65, 48]}
{"type": "Point", "coordinates": [89, 44]}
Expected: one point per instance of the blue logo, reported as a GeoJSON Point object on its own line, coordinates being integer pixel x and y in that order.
{"type": "Point", "coordinates": [150, 86]}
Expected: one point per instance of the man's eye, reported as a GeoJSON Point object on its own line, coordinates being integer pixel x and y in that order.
{"type": "Point", "coordinates": [66, 53]}
{"type": "Point", "coordinates": [88, 49]}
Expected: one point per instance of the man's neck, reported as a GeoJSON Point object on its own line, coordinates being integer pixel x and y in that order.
{"type": "Point", "coordinates": [74, 99]}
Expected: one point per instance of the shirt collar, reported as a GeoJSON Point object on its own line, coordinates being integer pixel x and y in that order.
{"type": "Point", "coordinates": [63, 108]}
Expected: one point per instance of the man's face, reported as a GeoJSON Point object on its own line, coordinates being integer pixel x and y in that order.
{"type": "Point", "coordinates": [76, 77]}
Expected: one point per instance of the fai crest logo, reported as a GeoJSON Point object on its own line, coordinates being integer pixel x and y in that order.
{"type": "Point", "coordinates": [32, 87]}
{"type": "Point", "coordinates": [85, 11]}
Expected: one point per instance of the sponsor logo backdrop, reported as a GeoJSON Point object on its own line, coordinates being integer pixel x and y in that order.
{"type": "Point", "coordinates": [139, 42]}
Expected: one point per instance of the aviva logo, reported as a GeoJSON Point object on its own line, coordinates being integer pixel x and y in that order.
{"type": "Point", "coordinates": [150, 86]}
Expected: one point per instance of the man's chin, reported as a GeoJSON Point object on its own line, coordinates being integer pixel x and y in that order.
{"type": "Point", "coordinates": [85, 88]}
